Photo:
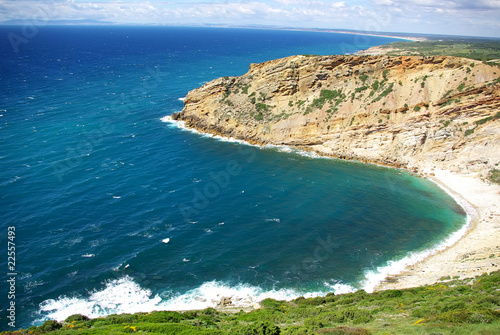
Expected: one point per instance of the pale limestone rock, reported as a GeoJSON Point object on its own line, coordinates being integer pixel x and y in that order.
{"type": "Point", "coordinates": [401, 111]}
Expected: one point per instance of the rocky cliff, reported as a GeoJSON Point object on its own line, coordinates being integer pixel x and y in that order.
{"type": "Point", "coordinates": [413, 112]}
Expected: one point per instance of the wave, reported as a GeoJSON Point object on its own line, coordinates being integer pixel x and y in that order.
{"type": "Point", "coordinates": [278, 147]}
{"type": "Point", "coordinates": [372, 278]}
{"type": "Point", "coordinates": [119, 296]}
{"type": "Point", "coordinates": [126, 296]}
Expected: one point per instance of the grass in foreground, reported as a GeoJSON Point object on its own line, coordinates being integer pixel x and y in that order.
{"type": "Point", "coordinates": [470, 306]}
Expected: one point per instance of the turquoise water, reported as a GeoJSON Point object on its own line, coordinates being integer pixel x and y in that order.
{"type": "Point", "coordinates": [116, 210]}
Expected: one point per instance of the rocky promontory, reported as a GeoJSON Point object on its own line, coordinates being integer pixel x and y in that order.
{"type": "Point", "coordinates": [407, 111]}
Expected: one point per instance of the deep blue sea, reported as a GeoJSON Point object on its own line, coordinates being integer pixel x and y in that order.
{"type": "Point", "coordinates": [116, 210]}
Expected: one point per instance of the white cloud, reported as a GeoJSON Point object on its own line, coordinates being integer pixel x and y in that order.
{"type": "Point", "coordinates": [479, 17]}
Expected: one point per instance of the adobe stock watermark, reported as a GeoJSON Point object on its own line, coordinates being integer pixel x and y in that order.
{"type": "Point", "coordinates": [75, 155]}
{"type": "Point", "coordinates": [29, 30]}
{"type": "Point", "coordinates": [205, 194]}
{"type": "Point", "coordinates": [323, 251]}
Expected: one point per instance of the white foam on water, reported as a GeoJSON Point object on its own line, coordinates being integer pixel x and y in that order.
{"type": "Point", "coordinates": [280, 147]}
{"type": "Point", "coordinates": [242, 295]}
{"type": "Point", "coordinates": [125, 296]}
{"type": "Point", "coordinates": [374, 277]}
{"type": "Point", "coordinates": [339, 287]}
{"type": "Point", "coordinates": [119, 296]}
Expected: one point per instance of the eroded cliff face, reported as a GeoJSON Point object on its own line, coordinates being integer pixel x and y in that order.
{"type": "Point", "coordinates": [413, 112]}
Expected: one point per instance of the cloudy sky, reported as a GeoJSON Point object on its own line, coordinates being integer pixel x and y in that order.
{"type": "Point", "coordinates": [451, 17]}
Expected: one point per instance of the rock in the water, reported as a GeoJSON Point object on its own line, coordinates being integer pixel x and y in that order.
{"type": "Point", "coordinates": [224, 301]}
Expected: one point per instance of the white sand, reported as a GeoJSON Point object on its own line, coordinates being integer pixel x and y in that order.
{"type": "Point", "coordinates": [477, 252]}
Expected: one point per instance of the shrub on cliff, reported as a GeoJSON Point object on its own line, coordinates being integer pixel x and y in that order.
{"type": "Point", "coordinates": [76, 317]}
{"type": "Point", "coordinates": [494, 176]}
{"type": "Point", "coordinates": [50, 325]}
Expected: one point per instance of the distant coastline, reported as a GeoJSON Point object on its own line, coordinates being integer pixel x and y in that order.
{"type": "Point", "coordinates": [402, 36]}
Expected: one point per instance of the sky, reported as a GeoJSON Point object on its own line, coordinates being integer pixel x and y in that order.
{"type": "Point", "coordinates": [446, 17]}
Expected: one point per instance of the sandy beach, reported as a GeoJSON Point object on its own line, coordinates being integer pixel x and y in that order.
{"type": "Point", "coordinates": [477, 252]}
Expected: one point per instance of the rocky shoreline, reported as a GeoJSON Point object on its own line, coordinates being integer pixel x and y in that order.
{"type": "Point", "coordinates": [438, 116]}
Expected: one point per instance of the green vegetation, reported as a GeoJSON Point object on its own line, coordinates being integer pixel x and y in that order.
{"type": "Point", "coordinates": [326, 96]}
{"type": "Point", "coordinates": [384, 74]}
{"type": "Point", "coordinates": [452, 307]}
{"type": "Point", "coordinates": [361, 89]}
{"type": "Point", "coordinates": [482, 121]}
{"type": "Point", "coordinates": [490, 118]}
{"type": "Point", "coordinates": [450, 101]}
{"type": "Point", "coordinates": [445, 123]}
{"type": "Point", "coordinates": [262, 107]}
{"type": "Point", "coordinates": [363, 77]}
{"type": "Point", "coordinates": [300, 103]}
{"type": "Point", "coordinates": [384, 93]}
{"type": "Point", "coordinates": [494, 176]}
{"type": "Point", "coordinates": [447, 94]}
{"type": "Point", "coordinates": [470, 131]}
{"type": "Point", "coordinates": [484, 50]}
{"type": "Point", "coordinates": [461, 87]}
{"type": "Point", "coordinates": [422, 84]}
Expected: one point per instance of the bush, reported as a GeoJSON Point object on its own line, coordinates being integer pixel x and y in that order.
{"type": "Point", "coordinates": [423, 312]}
{"type": "Point", "coordinates": [259, 328]}
{"type": "Point", "coordinates": [299, 330]}
{"type": "Point", "coordinates": [331, 297]}
{"type": "Point", "coordinates": [272, 304]}
{"type": "Point", "coordinates": [483, 315]}
{"type": "Point", "coordinates": [362, 319]}
{"type": "Point", "coordinates": [189, 315]}
{"type": "Point", "coordinates": [50, 325]}
{"type": "Point", "coordinates": [359, 295]}
{"type": "Point", "coordinates": [314, 322]}
{"type": "Point", "coordinates": [122, 318]}
{"type": "Point", "coordinates": [267, 315]}
{"type": "Point", "coordinates": [454, 306]}
{"type": "Point", "coordinates": [393, 294]}
{"type": "Point", "coordinates": [456, 316]}
{"type": "Point", "coordinates": [164, 317]}
{"type": "Point", "coordinates": [494, 176]}
{"type": "Point", "coordinates": [351, 314]}
{"type": "Point", "coordinates": [343, 331]}
{"type": "Point", "coordinates": [209, 311]}
{"type": "Point", "coordinates": [310, 301]}
{"type": "Point", "coordinates": [76, 317]}
{"type": "Point", "coordinates": [174, 328]}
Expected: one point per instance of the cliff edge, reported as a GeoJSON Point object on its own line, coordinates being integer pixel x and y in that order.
{"type": "Point", "coordinates": [408, 111]}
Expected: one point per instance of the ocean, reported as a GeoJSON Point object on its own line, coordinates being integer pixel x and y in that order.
{"type": "Point", "coordinates": [117, 209]}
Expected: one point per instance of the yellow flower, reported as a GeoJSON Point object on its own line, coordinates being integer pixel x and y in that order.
{"type": "Point", "coordinates": [418, 322]}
